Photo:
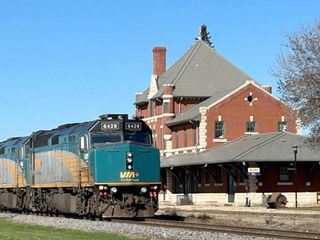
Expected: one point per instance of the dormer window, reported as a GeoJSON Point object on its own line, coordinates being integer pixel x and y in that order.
{"type": "Point", "coordinates": [219, 130]}
{"type": "Point", "coordinates": [282, 126]}
{"type": "Point", "coordinates": [251, 126]}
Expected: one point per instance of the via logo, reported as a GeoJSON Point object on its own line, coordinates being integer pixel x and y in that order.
{"type": "Point", "coordinates": [129, 174]}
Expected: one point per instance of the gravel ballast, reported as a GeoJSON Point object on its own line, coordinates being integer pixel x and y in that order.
{"type": "Point", "coordinates": [133, 230]}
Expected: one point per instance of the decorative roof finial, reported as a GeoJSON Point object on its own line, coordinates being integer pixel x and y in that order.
{"type": "Point", "coordinates": [204, 36]}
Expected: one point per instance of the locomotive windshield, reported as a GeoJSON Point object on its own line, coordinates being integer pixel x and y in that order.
{"type": "Point", "coordinates": [110, 132]}
{"type": "Point", "coordinates": [111, 137]}
{"type": "Point", "coordinates": [138, 137]}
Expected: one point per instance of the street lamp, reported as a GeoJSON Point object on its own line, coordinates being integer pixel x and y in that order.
{"type": "Point", "coordinates": [295, 151]}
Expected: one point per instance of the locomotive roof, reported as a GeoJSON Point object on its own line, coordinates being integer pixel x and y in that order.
{"type": "Point", "coordinates": [66, 129]}
{"type": "Point", "coordinates": [14, 142]}
{"type": "Point", "coordinates": [62, 130]}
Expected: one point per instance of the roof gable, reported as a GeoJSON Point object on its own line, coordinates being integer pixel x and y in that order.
{"type": "Point", "coordinates": [200, 72]}
{"type": "Point", "coordinates": [193, 113]}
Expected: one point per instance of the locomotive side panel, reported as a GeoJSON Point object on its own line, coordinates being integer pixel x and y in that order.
{"type": "Point", "coordinates": [59, 168]}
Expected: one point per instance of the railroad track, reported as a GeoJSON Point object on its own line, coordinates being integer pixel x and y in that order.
{"type": "Point", "coordinates": [238, 230]}
{"type": "Point", "coordinates": [173, 223]}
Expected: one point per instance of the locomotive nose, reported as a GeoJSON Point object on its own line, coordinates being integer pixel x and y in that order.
{"type": "Point", "coordinates": [126, 163]}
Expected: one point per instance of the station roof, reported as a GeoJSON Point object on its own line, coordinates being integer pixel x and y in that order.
{"type": "Point", "coordinates": [269, 147]}
{"type": "Point", "coordinates": [200, 72]}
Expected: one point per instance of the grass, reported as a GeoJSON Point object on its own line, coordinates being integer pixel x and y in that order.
{"type": "Point", "coordinates": [18, 231]}
{"type": "Point", "coordinates": [314, 208]}
{"type": "Point", "coordinates": [311, 208]}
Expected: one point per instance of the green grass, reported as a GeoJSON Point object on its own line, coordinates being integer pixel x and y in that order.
{"type": "Point", "coordinates": [18, 231]}
{"type": "Point", "coordinates": [314, 208]}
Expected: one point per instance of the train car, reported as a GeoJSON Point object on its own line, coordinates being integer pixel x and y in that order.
{"type": "Point", "coordinates": [106, 168]}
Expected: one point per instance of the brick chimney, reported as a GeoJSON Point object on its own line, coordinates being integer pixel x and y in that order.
{"type": "Point", "coordinates": [268, 88]}
{"type": "Point", "coordinates": [159, 60]}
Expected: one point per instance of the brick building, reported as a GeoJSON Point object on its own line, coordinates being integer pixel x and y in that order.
{"type": "Point", "coordinates": [202, 104]}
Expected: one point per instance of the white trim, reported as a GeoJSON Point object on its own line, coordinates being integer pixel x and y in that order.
{"type": "Point", "coordinates": [158, 116]}
{"type": "Point", "coordinates": [183, 149]}
{"type": "Point", "coordinates": [251, 133]}
{"type": "Point", "coordinates": [221, 140]}
{"type": "Point", "coordinates": [218, 184]}
{"type": "Point", "coordinates": [167, 96]}
{"type": "Point", "coordinates": [207, 185]}
{"type": "Point", "coordinates": [285, 183]}
{"type": "Point", "coordinates": [166, 100]}
{"type": "Point", "coordinates": [239, 88]}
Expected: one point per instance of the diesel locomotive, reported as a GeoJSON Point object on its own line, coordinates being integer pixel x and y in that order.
{"type": "Point", "coordinates": [105, 168]}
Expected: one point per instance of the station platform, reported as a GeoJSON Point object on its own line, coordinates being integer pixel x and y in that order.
{"type": "Point", "coordinates": [233, 209]}
{"type": "Point", "coordinates": [280, 218]}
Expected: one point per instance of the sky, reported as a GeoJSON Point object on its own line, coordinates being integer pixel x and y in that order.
{"type": "Point", "coordinates": [70, 61]}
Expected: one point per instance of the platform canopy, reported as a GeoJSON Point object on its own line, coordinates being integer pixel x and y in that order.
{"type": "Point", "coordinates": [269, 147]}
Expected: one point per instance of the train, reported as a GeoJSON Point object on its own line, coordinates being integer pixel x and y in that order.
{"type": "Point", "coordinates": [105, 168]}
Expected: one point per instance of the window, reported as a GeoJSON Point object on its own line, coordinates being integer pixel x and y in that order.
{"type": "Point", "coordinates": [177, 138]}
{"type": "Point", "coordinates": [207, 178]}
{"type": "Point", "coordinates": [138, 137]}
{"type": "Point", "coordinates": [106, 138]}
{"type": "Point", "coordinates": [282, 126]}
{"type": "Point", "coordinates": [154, 138]}
{"type": "Point", "coordinates": [218, 174]}
{"type": "Point", "coordinates": [1, 151]}
{"type": "Point", "coordinates": [72, 139]}
{"type": "Point", "coordinates": [185, 138]}
{"type": "Point", "coordinates": [241, 178]}
{"type": "Point", "coordinates": [219, 130]}
{"type": "Point", "coordinates": [251, 127]}
{"type": "Point", "coordinates": [55, 140]}
{"type": "Point", "coordinates": [13, 150]}
{"type": "Point", "coordinates": [165, 107]}
{"type": "Point", "coordinates": [151, 108]}
{"type": "Point", "coordinates": [194, 136]}
{"type": "Point", "coordinates": [284, 174]}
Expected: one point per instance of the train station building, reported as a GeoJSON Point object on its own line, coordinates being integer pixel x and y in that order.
{"type": "Point", "coordinates": [223, 137]}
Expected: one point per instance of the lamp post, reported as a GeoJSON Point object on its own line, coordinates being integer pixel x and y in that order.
{"type": "Point", "coordinates": [295, 151]}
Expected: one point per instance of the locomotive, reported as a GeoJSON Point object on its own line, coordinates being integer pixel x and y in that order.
{"type": "Point", "coordinates": [105, 168]}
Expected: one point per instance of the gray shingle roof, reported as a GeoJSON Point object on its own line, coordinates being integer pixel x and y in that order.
{"type": "Point", "coordinates": [269, 147]}
{"type": "Point", "coordinates": [193, 113]}
{"type": "Point", "coordinates": [200, 72]}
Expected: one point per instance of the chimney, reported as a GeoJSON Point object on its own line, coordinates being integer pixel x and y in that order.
{"type": "Point", "coordinates": [159, 60]}
{"type": "Point", "coordinates": [268, 88]}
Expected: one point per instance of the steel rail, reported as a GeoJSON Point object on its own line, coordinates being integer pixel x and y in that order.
{"type": "Point", "coordinates": [238, 230]}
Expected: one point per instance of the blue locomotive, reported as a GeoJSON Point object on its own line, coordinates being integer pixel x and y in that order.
{"type": "Point", "coordinates": [106, 168]}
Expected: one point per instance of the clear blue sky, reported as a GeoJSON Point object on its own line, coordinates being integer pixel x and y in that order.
{"type": "Point", "coordinates": [69, 61]}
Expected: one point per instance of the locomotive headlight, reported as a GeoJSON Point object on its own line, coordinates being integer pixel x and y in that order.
{"type": "Point", "coordinates": [143, 190]}
{"type": "Point", "coordinates": [100, 188]}
{"type": "Point", "coordinates": [114, 190]}
{"type": "Point", "coordinates": [129, 161]}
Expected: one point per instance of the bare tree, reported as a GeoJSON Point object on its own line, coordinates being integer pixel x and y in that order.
{"type": "Point", "coordinates": [298, 73]}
